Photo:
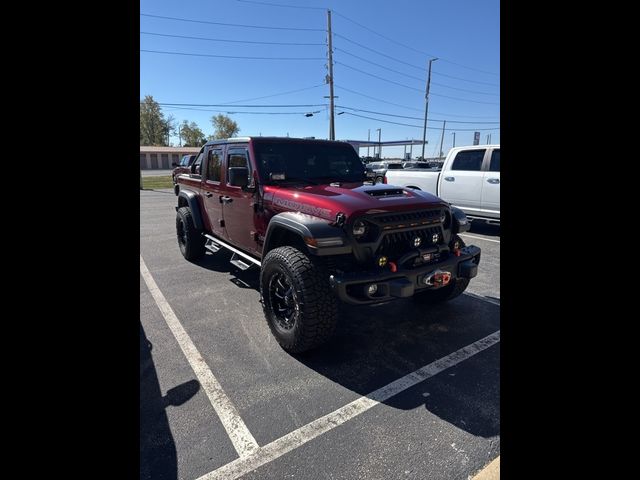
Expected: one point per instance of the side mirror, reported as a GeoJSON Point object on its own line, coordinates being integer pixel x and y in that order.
{"type": "Point", "coordinates": [238, 176]}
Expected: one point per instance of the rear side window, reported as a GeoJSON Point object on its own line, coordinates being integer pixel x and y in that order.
{"type": "Point", "coordinates": [469, 160]}
{"type": "Point", "coordinates": [495, 161]}
{"type": "Point", "coordinates": [214, 168]}
{"type": "Point", "coordinates": [238, 157]}
{"type": "Point", "coordinates": [394, 166]}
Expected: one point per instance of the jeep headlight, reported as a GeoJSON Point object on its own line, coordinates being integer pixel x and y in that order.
{"type": "Point", "coordinates": [359, 228]}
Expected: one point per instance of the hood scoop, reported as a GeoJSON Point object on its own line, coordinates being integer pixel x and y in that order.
{"type": "Point", "coordinates": [387, 192]}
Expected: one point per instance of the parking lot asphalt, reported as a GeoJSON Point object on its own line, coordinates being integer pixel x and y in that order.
{"type": "Point", "coordinates": [446, 425]}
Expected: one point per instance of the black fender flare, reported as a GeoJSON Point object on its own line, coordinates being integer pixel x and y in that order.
{"type": "Point", "coordinates": [192, 200]}
{"type": "Point", "coordinates": [320, 236]}
{"type": "Point", "coordinates": [460, 221]}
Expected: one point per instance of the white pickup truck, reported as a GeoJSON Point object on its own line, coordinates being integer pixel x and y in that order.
{"type": "Point", "coordinates": [469, 180]}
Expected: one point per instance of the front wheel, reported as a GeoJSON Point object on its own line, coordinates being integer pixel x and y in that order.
{"type": "Point", "coordinates": [300, 308]}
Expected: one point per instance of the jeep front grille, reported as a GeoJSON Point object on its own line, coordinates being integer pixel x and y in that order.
{"type": "Point", "coordinates": [396, 244]}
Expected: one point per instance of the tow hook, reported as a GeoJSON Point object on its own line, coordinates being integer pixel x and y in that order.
{"type": "Point", "coordinates": [437, 279]}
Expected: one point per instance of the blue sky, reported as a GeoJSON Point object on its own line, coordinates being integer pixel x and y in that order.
{"type": "Point", "coordinates": [464, 34]}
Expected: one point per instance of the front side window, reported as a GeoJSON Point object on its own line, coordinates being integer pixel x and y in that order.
{"type": "Point", "coordinates": [494, 166]}
{"type": "Point", "coordinates": [469, 160]}
{"type": "Point", "coordinates": [197, 165]}
{"type": "Point", "coordinates": [214, 166]}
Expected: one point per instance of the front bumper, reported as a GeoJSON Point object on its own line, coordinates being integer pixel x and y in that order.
{"type": "Point", "coordinates": [352, 287]}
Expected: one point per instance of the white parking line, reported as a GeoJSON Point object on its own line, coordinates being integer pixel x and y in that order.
{"type": "Point", "coordinates": [239, 434]}
{"type": "Point", "coordinates": [479, 238]}
{"type": "Point", "coordinates": [308, 432]}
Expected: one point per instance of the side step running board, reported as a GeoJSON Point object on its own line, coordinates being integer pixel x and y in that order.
{"type": "Point", "coordinates": [237, 261]}
{"type": "Point", "coordinates": [212, 245]}
{"type": "Point", "coordinates": [239, 258]}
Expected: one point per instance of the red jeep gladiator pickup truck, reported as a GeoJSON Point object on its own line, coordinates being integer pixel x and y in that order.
{"type": "Point", "coordinates": [302, 211]}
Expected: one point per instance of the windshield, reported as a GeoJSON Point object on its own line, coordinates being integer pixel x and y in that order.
{"type": "Point", "coordinates": [308, 161]}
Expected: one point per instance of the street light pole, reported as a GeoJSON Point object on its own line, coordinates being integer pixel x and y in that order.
{"type": "Point", "coordinates": [426, 107]}
{"type": "Point", "coordinates": [454, 139]}
{"type": "Point", "coordinates": [368, 140]}
{"type": "Point", "coordinates": [379, 143]}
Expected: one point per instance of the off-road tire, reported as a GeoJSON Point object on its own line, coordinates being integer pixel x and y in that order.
{"type": "Point", "coordinates": [379, 180]}
{"type": "Point", "coordinates": [317, 311]}
{"type": "Point", "coordinates": [444, 294]}
{"type": "Point", "coordinates": [190, 240]}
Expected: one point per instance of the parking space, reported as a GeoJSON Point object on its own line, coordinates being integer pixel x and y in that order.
{"type": "Point", "coordinates": [323, 412]}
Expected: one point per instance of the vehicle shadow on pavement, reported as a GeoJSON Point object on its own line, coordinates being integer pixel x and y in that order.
{"type": "Point", "coordinates": [483, 228]}
{"type": "Point", "coordinates": [158, 458]}
{"type": "Point", "coordinates": [374, 346]}
{"type": "Point", "coordinates": [219, 262]}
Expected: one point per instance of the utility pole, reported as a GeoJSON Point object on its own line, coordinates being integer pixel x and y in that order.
{"type": "Point", "coordinates": [332, 130]}
{"type": "Point", "coordinates": [454, 139]}
{"type": "Point", "coordinates": [180, 135]}
{"type": "Point", "coordinates": [411, 150]}
{"type": "Point", "coordinates": [444, 124]}
{"type": "Point", "coordinates": [368, 140]}
{"type": "Point", "coordinates": [426, 107]}
{"type": "Point", "coordinates": [379, 143]}
{"type": "Point", "coordinates": [487, 139]}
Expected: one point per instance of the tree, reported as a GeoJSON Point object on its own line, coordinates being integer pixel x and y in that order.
{"type": "Point", "coordinates": [191, 134]}
{"type": "Point", "coordinates": [170, 127]}
{"type": "Point", "coordinates": [223, 127]}
{"type": "Point", "coordinates": [153, 126]}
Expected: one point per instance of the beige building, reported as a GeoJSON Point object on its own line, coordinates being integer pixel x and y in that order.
{"type": "Point", "coordinates": [161, 158]}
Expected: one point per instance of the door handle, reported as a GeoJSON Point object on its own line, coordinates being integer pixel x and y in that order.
{"type": "Point", "coordinates": [225, 199]}
{"type": "Point", "coordinates": [450, 179]}
{"type": "Point", "coordinates": [208, 194]}
{"type": "Point", "coordinates": [493, 180]}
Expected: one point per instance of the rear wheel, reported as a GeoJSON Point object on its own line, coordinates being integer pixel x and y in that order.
{"type": "Point", "coordinates": [297, 300]}
{"type": "Point", "coordinates": [379, 179]}
{"type": "Point", "coordinates": [444, 294]}
{"type": "Point", "coordinates": [190, 240]}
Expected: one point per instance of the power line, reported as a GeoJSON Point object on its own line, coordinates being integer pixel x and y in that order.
{"type": "Point", "coordinates": [465, 80]}
{"type": "Point", "coordinates": [465, 90]}
{"type": "Point", "coordinates": [411, 76]}
{"type": "Point", "coordinates": [416, 89]}
{"type": "Point", "coordinates": [422, 69]}
{"type": "Point", "coordinates": [232, 24]}
{"type": "Point", "coordinates": [244, 106]}
{"type": "Point", "coordinates": [280, 5]}
{"type": "Point", "coordinates": [411, 48]}
{"type": "Point", "coordinates": [420, 126]}
{"type": "Point", "coordinates": [230, 56]}
{"type": "Point", "coordinates": [380, 78]}
{"type": "Point", "coordinates": [378, 99]}
{"type": "Point", "coordinates": [411, 108]}
{"type": "Point", "coordinates": [226, 40]}
{"type": "Point", "coordinates": [276, 94]}
{"type": "Point", "coordinates": [251, 113]}
{"type": "Point", "coordinates": [464, 99]}
{"type": "Point", "coordinates": [378, 65]}
{"type": "Point", "coordinates": [412, 118]}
